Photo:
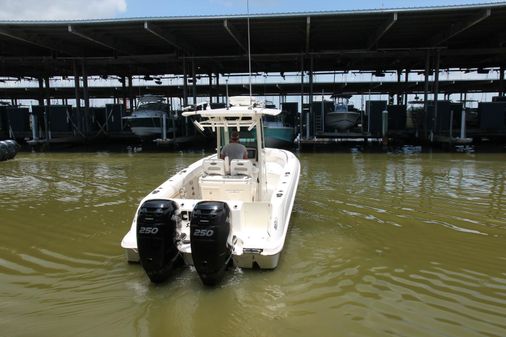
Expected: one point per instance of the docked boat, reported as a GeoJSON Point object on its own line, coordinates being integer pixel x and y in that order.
{"type": "Point", "coordinates": [147, 120]}
{"type": "Point", "coordinates": [218, 212]}
{"type": "Point", "coordinates": [341, 117]}
{"type": "Point", "coordinates": [278, 135]}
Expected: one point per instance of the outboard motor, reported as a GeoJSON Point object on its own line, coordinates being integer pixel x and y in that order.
{"type": "Point", "coordinates": [209, 231]}
{"type": "Point", "coordinates": [156, 238]}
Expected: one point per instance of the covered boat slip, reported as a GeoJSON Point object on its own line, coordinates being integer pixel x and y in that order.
{"type": "Point", "coordinates": [192, 58]}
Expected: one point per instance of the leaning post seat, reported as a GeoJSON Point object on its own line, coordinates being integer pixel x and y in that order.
{"type": "Point", "coordinates": [242, 167]}
{"type": "Point", "coordinates": [214, 167]}
{"type": "Point", "coordinates": [240, 185]}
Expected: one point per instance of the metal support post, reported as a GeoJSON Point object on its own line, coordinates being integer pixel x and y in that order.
{"type": "Point", "coordinates": [501, 81]}
{"type": "Point", "coordinates": [384, 126]}
{"type": "Point", "coordinates": [77, 92]}
{"type": "Point", "coordinates": [210, 87]}
{"type": "Point", "coordinates": [194, 84]}
{"type": "Point", "coordinates": [185, 83]}
{"type": "Point", "coordinates": [164, 126]}
{"type": "Point", "coordinates": [131, 93]}
{"type": "Point", "coordinates": [86, 98]}
{"type": "Point", "coordinates": [406, 80]}
{"type": "Point", "coordinates": [217, 87]}
{"type": "Point", "coordinates": [311, 112]}
{"type": "Point", "coordinates": [46, 107]}
{"type": "Point", "coordinates": [436, 90]}
{"type": "Point", "coordinates": [301, 117]}
{"type": "Point", "coordinates": [399, 95]}
{"type": "Point", "coordinates": [426, 94]}
{"type": "Point", "coordinates": [463, 123]}
{"type": "Point", "coordinates": [450, 133]}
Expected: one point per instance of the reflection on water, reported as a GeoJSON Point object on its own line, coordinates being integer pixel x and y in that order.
{"type": "Point", "coordinates": [402, 244]}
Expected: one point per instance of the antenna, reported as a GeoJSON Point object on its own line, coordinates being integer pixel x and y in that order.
{"type": "Point", "coordinates": [249, 57]}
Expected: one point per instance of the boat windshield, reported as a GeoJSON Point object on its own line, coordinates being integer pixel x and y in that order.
{"type": "Point", "coordinates": [341, 107]}
{"type": "Point", "coordinates": [152, 106]}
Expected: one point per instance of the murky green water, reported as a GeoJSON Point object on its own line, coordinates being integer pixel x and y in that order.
{"type": "Point", "coordinates": [379, 245]}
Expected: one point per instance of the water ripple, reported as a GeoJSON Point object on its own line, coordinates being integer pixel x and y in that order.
{"type": "Point", "coordinates": [379, 245]}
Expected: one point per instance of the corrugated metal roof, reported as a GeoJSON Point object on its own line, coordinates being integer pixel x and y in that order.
{"type": "Point", "coordinates": [465, 36]}
{"type": "Point", "coordinates": [264, 15]}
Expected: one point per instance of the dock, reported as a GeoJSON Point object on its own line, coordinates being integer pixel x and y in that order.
{"type": "Point", "coordinates": [68, 82]}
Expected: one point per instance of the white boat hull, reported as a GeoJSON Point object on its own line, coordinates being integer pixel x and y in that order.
{"type": "Point", "coordinates": [259, 226]}
{"type": "Point", "coordinates": [341, 120]}
{"type": "Point", "coordinates": [146, 131]}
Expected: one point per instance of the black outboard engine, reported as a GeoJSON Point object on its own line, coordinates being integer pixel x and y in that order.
{"type": "Point", "coordinates": [209, 231]}
{"type": "Point", "coordinates": [156, 238]}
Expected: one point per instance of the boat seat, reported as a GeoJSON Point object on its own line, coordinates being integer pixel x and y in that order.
{"type": "Point", "coordinates": [215, 187]}
{"type": "Point", "coordinates": [242, 167]}
{"type": "Point", "coordinates": [214, 167]}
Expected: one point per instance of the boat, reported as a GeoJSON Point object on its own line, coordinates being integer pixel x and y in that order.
{"type": "Point", "coordinates": [278, 135]}
{"type": "Point", "coordinates": [341, 117]}
{"type": "Point", "coordinates": [218, 212]}
{"type": "Point", "coordinates": [147, 119]}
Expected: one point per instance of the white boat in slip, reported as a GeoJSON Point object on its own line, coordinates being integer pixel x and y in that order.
{"type": "Point", "coordinates": [146, 119]}
{"type": "Point", "coordinates": [341, 118]}
{"type": "Point", "coordinates": [215, 212]}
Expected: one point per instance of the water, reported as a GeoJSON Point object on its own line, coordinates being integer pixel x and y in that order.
{"type": "Point", "coordinates": [400, 244]}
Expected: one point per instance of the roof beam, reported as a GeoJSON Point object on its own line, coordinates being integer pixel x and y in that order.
{"type": "Point", "coordinates": [459, 28]}
{"type": "Point", "coordinates": [382, 30]}
{"type": "Point", "coordinates": [235, 35]}
{"type": "Point", "coordinates": [73, 30]}
{"type": "Point", "coordinates": [167, 37]}
{"type": "Point", "coordinates": [30, 41]}
{"type": "Point", "coordinates": [308, 33]}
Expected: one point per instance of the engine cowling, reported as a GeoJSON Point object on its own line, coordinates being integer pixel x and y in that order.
{"type": "Point", "coordinates": [209, 231]}
{"type": "Point", "coordinates": [156, 238]}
